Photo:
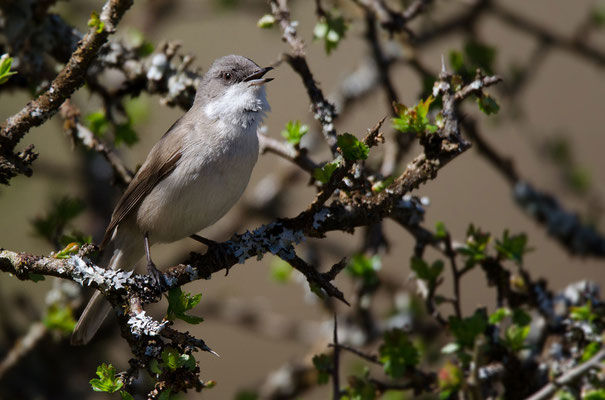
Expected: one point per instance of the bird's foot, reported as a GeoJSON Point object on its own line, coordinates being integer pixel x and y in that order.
{"type": "Point", "coordinates": [156, 275]}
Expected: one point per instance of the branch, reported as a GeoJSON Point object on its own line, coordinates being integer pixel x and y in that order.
{"type": "Point", "coordinates": [71, 77]}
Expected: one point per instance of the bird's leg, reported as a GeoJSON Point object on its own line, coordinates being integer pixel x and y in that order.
{"type": "Point", "coordinates": [223, 256]}
{"type": "Point", "coordinates": [152, 271]}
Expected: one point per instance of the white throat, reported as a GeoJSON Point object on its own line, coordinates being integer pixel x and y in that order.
{"type": "Point", "coordinates": [240, 105]}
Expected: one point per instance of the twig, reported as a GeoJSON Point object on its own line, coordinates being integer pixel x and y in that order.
{"type": "Point", "coordinates": [368, 357]}
{"type": "Point", "coordinates": [336, 363]}
{"type": "Point", "coordinates": [569, 376]}
{"type": "Point", "coordinates": [295, 155]}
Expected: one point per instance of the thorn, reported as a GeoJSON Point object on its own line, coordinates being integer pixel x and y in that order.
{"type": "Point", "coordinates": [443, 69]}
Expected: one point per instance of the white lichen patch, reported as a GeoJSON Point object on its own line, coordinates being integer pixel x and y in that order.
{"type": "Point", "coordinates": [85, 274]}
{"type": "Point", "coordinates": [251, 244]}
{"type": "Point", "coordinates": [142, 324]}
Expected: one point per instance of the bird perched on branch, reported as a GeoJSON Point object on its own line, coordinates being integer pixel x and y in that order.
{"type": "Point", "coordinates": [191, 177]}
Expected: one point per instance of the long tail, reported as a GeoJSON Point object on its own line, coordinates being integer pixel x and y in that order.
{"type": "Point", "coordinates": [117, 254]}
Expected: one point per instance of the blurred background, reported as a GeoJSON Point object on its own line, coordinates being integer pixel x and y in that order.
{"type": "Point", "coordinates": [552, 127]}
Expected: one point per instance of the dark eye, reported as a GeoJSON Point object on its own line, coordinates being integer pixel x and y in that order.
{"type": "Point", "coordinates": [227, 76]}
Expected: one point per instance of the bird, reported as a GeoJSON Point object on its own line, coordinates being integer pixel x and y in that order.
{"type": "Point", "coordinates": [191, 177]}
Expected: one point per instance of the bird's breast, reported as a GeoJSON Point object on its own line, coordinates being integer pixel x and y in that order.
{"type": "Point", "coordinates": [210, 177]}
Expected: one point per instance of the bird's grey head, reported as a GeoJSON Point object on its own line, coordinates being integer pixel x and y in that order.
{"type": "Point", "coordinates": [233, 91]}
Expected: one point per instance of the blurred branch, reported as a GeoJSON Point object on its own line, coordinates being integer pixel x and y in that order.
{"type": "Point", "coordinates": [77, 131]}
{"type": "Point", "coordinates": [323, 110]}
{"type": "Point", "coordinates": [569, 376]}
{"type": "Point", "coordinates": [67, 81]}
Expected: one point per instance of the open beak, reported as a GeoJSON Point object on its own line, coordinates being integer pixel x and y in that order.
{"type": "Point", "coordinates": [256, 78]}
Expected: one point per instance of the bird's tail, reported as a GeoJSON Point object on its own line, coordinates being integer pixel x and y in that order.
{"type": "Point", "coordinates": [97, 309]}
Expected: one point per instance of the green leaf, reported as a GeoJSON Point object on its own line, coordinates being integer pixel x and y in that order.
{"type": "Point", "coordinates": [512, 247]}
{"type": "Point", "coordinates": [414, 120]}
{"type": "Point", "coordinates": [59, 318]}
{"type": "Point", "coordinates": [172, 360]}
{"type": "Point", "coordinates": [590, 350]}
{"type": "Point", "coordinates": [126, 396]}
{"type": "Point", "coordinates": [36, 277]}
{"type": "Point", "coordinates": [425, 272]}
{"type": "Point", "coordinates": [475, 247]}
{"type": "Point", "coordinates": [597, 15]}
{"type": "Point", "coordinates": [365, 268]}
{"type": "Point", "coordinates": [398, 353]}
{"type": "Point", "coordinates": [107, 381]}
{"type": "Point", "coordinates": [246, 395]}
{"type": "Point", "coordinates": [497, 316]}
{"type": "Point", "coordinates": [97, 123]}
{"type": "Point", "coordinates": [583, 313]}
{"type": "Point", "coordinates": [360, 388]}
{"type": "Point", "coordinates": [487, 104]}
{"type": "Point", "coordinates": [598, 394]}
{"type": "Point", "coordinates": [165, 395]}
{"type": "Point", "coordinates": [266, 21]}
{"type": "Point", "coordinates": [323, 364]}
{"type": "Point", "coordinates": [521, 318]}
{"type": "Point", "coordinates": [440, 230]}
{"type": "Point", "coordinates": [352, 149]}
{"type": "Point", "coordinates": [564, 394]}
{"type": "Point", "coordinates": [5, 66]}
{"type": "Point", "coordinates": [69, 250]}
{"type": "Point", "coordinates": [466, 330]}
{"type": "Point", "coordinates": [281, 271]}
{"type": "Point", "coordinates": [294, 132]}
{"type": "Point", "coordinates": [330, 28]}
{"type": "Point", "coordinates": [95, 22]}
{"type": "Point", "coordinates": [124, 133]}
{"type": "Point", "coordinates": [383, 184]}
{"type": "Point", "coordinates": [324, 173]}
{"type": "Point", "coordinates": [514, 337]}
{"type": "Point", "coordinates": [179, 302]}
{"type": "Point", "coordinates": [154, 365]}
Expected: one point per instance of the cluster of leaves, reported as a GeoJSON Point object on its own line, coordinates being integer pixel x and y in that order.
{"type": "Point", "coordinates": [351, 149]}
{"type": "Point", "coordinates": [414, 120]}
{"type": "Point", "coordinates": [179, 303]}
{"type": "Point", "coordinates": [365, 269]}
{"type": "Point", "coordinates": [136, 111]}
{"type": "Point", "coordinates": [109, 382]}
{"type": "Point", "coordinates": [294, 132]}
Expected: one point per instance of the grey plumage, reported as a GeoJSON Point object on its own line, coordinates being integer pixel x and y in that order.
{"type": "Point", "coordinates": [192, 176]}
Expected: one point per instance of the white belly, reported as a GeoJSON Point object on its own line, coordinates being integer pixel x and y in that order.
{"type": "Point", "coordinates": [207, 181]}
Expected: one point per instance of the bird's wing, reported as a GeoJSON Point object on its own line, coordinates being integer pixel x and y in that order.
{"type": "Point", "coordinates": [161, 161]}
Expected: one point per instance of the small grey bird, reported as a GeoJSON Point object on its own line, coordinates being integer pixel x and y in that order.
{"type": "Point", "coordinates": [191, 177]}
